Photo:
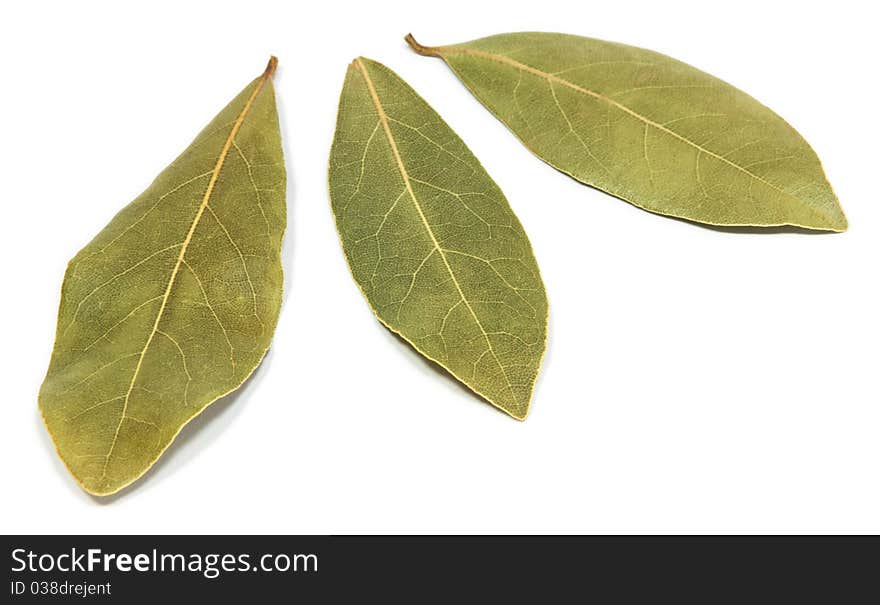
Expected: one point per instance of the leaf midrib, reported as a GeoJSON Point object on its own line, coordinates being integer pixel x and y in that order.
{"type": "Point", "coordinates": [444, 50]}
{"type": "Point", "coordinates": [383, 119]}
{"type": "Point", "coordinates": [218, 166]}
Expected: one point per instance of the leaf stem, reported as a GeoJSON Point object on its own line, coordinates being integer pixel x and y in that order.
{"type": "Point", "coordinates": [427, 51]}
{"type": "Point", "coordinates": [270, 67]}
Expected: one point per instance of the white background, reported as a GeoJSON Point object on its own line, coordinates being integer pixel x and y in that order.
{"type": "Point", "coordinates": [695, 381]}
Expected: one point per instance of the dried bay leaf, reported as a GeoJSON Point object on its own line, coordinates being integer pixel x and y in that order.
{"type": "Point", "coordinates": [174, 303]}
{"type": "Point", "coordinates": [432, 242]}
{"type": "Point", "coordinates": [648, 129]}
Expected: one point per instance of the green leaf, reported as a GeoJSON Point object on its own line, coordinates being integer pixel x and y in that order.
{"type": "Point", "coordinates": [432, 242]}
{"type": "Point", "coordinates": [648, 129]}
{"type": "Point", "coordinates": [173, 304]}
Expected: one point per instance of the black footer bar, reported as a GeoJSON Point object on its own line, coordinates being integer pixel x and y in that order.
{"type": "Point", "coordinates": [134, 569]}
